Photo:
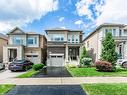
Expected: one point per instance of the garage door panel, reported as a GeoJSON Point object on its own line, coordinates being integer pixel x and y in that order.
{"type": "Point", "coordinates": [56, 61]}
{"type": "Point", "coordinates": [33, 58]}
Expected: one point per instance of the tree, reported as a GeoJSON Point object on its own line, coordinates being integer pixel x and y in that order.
{"type": "Point", "coordinates": [108, 50]}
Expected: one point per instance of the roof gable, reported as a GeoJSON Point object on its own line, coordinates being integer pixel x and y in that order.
{"type": "Point", "coordinates": [16, 31]}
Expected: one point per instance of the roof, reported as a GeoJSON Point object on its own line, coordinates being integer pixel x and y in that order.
{"type": "Point", "coordinates": [21, 32]}
{"type": "Point", "coordinates": [104, 25]}
{"type": "Point", "coordinates": [3, 36]}
{"type": "Point", "coordinates": [62, 29]}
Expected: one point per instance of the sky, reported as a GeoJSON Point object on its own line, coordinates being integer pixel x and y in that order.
{"type": "Point", "coordinates": [38, 15]}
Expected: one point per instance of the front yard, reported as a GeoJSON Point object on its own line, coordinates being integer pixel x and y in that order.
{"type": "Point", "coordinates": [5, 88]}
{"type": "Point", "coordinates": [89, 72]}
{"type": "Point", "coordinates": [105, 89]}
{"type": "Point", "coordinates": [28, 74]}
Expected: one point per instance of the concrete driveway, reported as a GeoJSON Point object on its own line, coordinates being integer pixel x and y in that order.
{"type": "Point", "coordinates": [47, 90]}
{"type": "Point", "coordinates": [8, 74]}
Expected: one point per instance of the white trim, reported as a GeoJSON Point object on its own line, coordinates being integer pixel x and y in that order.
{"type": "Point", "coordinates": [56, 54]}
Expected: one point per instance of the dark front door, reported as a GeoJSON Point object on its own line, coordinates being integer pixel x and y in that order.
{"type": "Point", "coordinates": [12, 54]}
{"type": "Point", "coordinates": [73, 53]}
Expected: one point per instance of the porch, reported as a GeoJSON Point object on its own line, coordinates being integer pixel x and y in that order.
{"type": "Point", "coordinates": [121, 49]}
{"type": "Point", "coordinates": [11, 53]}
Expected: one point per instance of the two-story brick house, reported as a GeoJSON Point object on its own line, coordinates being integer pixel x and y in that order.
{"type": "Point", "coordinates": [28, 45]}
{"type": "Point", "coordinates": [63, 46]}
{"type": "Point", "coordinates": [93, 42]}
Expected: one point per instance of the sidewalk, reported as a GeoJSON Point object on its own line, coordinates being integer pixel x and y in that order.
{"type": "Point", "coordinates": [63, 80]}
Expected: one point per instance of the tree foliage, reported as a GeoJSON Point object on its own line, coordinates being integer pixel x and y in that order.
{"type": "Point", "coordinates": [108, 50]}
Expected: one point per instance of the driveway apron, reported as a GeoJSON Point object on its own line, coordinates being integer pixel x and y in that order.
{"type": "Point", "coordinates": [49, 89]}
{"type": "Point", "coordinates": [53, 72]}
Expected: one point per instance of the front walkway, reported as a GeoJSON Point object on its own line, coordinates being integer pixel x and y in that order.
{"type": "Point", "coordinates": [63, 80]}
{"type": "Point", "coordinates": [8, 74]}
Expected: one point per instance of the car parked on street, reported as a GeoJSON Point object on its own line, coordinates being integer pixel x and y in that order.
{"type": "Point", "coordinates": [2, 66]}
{"type": "Point", "coordinates": [20, 65]}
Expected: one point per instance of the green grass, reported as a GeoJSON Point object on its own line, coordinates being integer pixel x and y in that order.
{"type": "Point", "coordinates": [80, 72]}
{"type": "Point", "coordinates": [5, 88]}
{"type": "Point", "coordinates": [105, 89]}
{"type": "Point", "coordinates": [28, 74]}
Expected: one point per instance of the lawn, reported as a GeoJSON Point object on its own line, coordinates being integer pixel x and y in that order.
{"type": "Point", "coordinates": [28, 74]}
{"type": "Point", "coordinates": [105, 89]}
{"type": "Point", "coordinates": [5, 88]}
{"type": "Point", "coordinates": [80, 72]}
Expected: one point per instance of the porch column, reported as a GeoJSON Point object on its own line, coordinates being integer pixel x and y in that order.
{"type": "Point", "coordinates": [66, 57]}
{"type": "Point", "coordinates": [5, 54]}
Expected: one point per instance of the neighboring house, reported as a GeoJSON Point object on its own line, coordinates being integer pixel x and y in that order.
{"type": "Point", "coordinates": [3, 41]}
{"type": "Point", "coordinates": [28, 45]}
{"type": "Point", "coordinates": [63, 46]}
{"type": "Point", "coordinates": [93, 42]}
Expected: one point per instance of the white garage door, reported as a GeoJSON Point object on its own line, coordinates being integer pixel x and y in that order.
{"type": "Point", "coordinates": [56, 60]}
{"type": "Point", "coordinates": [33, 58]}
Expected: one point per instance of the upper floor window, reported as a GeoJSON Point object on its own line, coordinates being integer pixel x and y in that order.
{"type": "Point", "coordinates": [114, 32]}
{"type": "Point", "coordinates": [72, 38]}
{"type": "Point", "coordinates": [57, 37]}
{"type": "Point", "coordinates": [69, 40]}
{"type": "Point", "coordinates": [120, 32]}
{"type": "Point", "coordinates": [17, 41]}
{"type": "Point", "coordinates": [32, 40]}
{"type": "Point", "coordinates": [106, 31]}
{"type": "Point", "coordinates": [76, 40]}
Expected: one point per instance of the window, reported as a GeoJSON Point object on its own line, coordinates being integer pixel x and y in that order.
{"type": "Point", "coordinates": [114, 32]}
{"type": "Point", "coordinates": [32, 40]}
{"type": "Point", "coordinates": [106, 31]}
{"type": "Point", "coordinates": [57, 37]}
{"type": "Point", "coordinates": [62, 38]}
{"type": "Point", "coordinates": [72, 38]}
{"type": "Point", "coordinates": [120, 32]}
{"type": "Point", "coordinates": [69, 40]}
{"type": "Point", "coordinates": [17, 40]}
{"type": "Point", "coordinates": [76, 40]}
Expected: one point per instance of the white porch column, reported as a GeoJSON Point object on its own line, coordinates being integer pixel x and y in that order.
{"type": "Point", "coordinates": [5, 54]}
{"type": "Point", "coordinates": [66, 57]}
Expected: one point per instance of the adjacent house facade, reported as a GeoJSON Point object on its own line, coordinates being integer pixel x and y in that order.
{"type": "Point", "coordinates": [28, 45]}
{"type": "Point", "coordinates": [3, 41]}
{"type": "Point", "coordinates": [63, 46]}
{"type": "Point", "coordinates": [93, 42]}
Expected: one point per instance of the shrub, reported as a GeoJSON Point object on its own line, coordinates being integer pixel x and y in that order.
{"type": "Point", "coordinates": [71, 66]}
{"type": "Point", "coordinates": [104, 66]}
{"type": "Point", "coordinates": [37, 67]}
{"type": "Point", "coordinates": [84, 54]}
{"type": "Point", "coordinates": [87, 62]}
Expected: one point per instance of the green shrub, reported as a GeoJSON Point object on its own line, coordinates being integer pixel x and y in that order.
{"type": "Point", "coordinates": [104, 66]}
{"type": "Point", "coordinates": [71, 66]}
{"type": "Point", "coordinates": [84, 54]}
{"type": "Point", "coordinates": [37, 67]}
{"type": "Point", "coordinates": [87, 62]}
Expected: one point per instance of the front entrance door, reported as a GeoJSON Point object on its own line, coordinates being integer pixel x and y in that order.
{"type": "Point", "coordinates": [12, 54]}
{"type": "Point", "coordinates": [73, 53]}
